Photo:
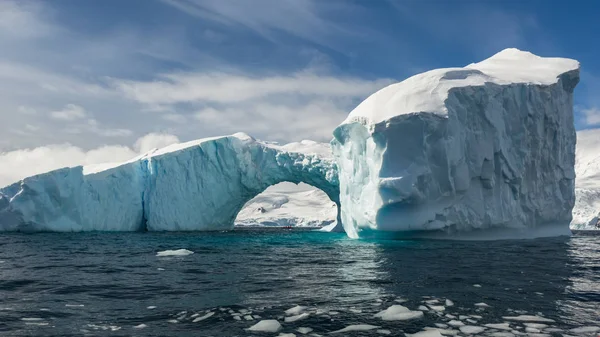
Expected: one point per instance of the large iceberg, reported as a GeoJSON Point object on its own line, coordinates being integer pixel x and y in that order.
{"type": "Point", "coordinates": [199, 185]}
{"type": "Point", "coordinates": [487, 149]}
{"type": "Point", "coordinates": [586, 213]}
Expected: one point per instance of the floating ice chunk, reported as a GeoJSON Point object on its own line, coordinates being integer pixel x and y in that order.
{"type": "Point", "coordinates": [532, 334]}
{"type": "Point", "coordinates": [502, 334]}
{"type": "Point", "coordinates": [432, 301]}
{"type": "Point", "coordinates": [401, 300]}
{"type": "Point", "coordinates": [471, 329]}
{"type": "Point", "coordinates": [291, 319]}
{"type": "Point", "coordinates": [248, 317]}
{"type": "Point", "coordinates": [437, 307]}
{"type": "Point", "coordinates": [176, 252]}
{"type": "Point", "coordinates": [295, 310]}
{"type": "Point", "coordinates": [357, 327]}
{"type": "Point", "coordinates": [384, 332]}
{"type": "Point", "coordinates": [140, 326]}
{"type": "Point", "coordinates": [74, 305]}
{"type": "Point", "coordinates": [536, 325]}
{"type": "Point", "coordinates": [499, 326]}
{"type": "Point", "coordinates": [449, 303]}
{"type": "Point", "coordinates": [267, 325]}
{"type": "Point", "coordinates": [304, 331]}
{"type": "Point", "coordinates": [481, 305]}
{"type": "Point", "coordinates": [423, 308]}
{"type": "Point", "coordinates": [354, 310]}
{"type": "Point", "coordinates": [286, 335]}
{"type": "Point", "coordinates": [553, 330]}
{"type": "Point", "coordinates": [477, 285]}
{"type": "Point", "coordinates": [174, 321]}
{"type": "Point", "coordinates": [585, 329]}
{"type": "Point", "coordinates": [445, 332]}
{"type": "Point", "coordinates": [532, 330]}
{"type": "Point", "coordinates": [426, 333]}
{"type": "Point", "coordinates": [472, 321]}
{"type": "Point", "coordinates": [456, 323]}
{"type": "Point", "coordinates": [441, 325]}
{"type": "Point", "coordinates": [201, 318]}
{"type": "Point", "coordinates": [31, 319]}
{"type": "Point", "coordinates": [450, 316]}
{"type": "Point", "coordinates": [476, 316]}
{"type": "Point", "coordinates": [398, 313]}
{"type": "Point", "coordinates": [528, 318]}
{"type": "Point", "coordinates": [237, 318]}
{"type": "Point", "coordinates": [160, 269]}
{"type": "Point", "coordinates": [463, 317]}
{"type": "Point", "coordinates": [37, 323]}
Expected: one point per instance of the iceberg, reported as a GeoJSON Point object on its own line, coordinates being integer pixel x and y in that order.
{"type": "Point", "coordinates": [487, 149]}
{"type": "Point", "coordinates": [586, 213]}
{"type": "Point", "coordinates": [198, 185]}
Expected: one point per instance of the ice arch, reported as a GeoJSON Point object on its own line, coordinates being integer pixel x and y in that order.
{"type": "Point", "coordinates": [208, 183]}
{"type": "Point", "coordinates": [198, 185]}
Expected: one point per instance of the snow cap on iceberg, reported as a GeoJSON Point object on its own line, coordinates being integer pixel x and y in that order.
{"type": "Point", "coordinates": [428, 91]}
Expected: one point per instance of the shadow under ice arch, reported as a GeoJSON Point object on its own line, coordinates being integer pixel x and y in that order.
{"type": "Point", "coordinates": [220, 175]}
{"type": "Point", "coordinates": [193, 186]}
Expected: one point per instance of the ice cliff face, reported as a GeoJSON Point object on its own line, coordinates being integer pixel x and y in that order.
{"type": "Point", "coordinates": [452, 151]}
{"type": "Point", "coordinates": [586, 213]}
{"type": "Point", "coordinates": [199, 185]}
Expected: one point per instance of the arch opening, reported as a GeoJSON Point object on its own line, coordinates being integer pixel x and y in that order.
{"type": "Point", "coordinates": [288, 204]}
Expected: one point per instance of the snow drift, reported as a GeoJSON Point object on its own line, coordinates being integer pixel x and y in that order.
{"type": "Point", "coordinates": [199, 185]}
{"type": "Point", "coordinates": [459, 150]}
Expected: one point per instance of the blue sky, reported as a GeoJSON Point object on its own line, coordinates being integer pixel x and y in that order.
{"type": "Point", "coordinates": [94, 73]}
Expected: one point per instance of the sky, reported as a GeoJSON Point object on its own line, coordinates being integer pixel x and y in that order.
{"type": "Point", "coordinates": [83, 82]}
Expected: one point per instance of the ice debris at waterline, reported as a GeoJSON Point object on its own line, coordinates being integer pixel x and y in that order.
{"type": "Point", "coordinates": [198, 185]}
{"type": "Point", "coordinates": [488, 146]}
{"type": "Point", "coordinates": [463, 319]}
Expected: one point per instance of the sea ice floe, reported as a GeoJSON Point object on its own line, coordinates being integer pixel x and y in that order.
{"type": "Point", "coordinates": [449, 303]}
{"type": "Point", "coordinates": [201, 318]}
{"type": "Point", "coordinates": [437, 307]}
{"type": "Point", "coordinates": [528, 318]}
{"type": "Point", "coordinates": [423, 308]}
{"type": "Point", "coordinates": [471, 329]}
{"type": "Point", "coordinates": [536, 325]}
{"type": "Point", "coordinates": [445, 332]}
{"type": "Point", "coordinates": [426, 333]}
{"type": "Point", "coordinates": [477, 285]}
{"type": "Point", "coordinates": [501, 334]}
{"type": "Point", "coordinates": [295, 318]}
{"type": "Point", "coordinates": [585, 329]}
{"type": "Point", "coordinates": [499, 326]}
{"type": "Point", "coordinates": [267, 325]}
{"type": "Point", "coordinates": [31, 319]}
{"type": "Point", "coordinates": [176, 252]}
{"type": "Point", "coordinates": [357, 327]}
{"type": "Point", "coordinates": [295, 310]}
{"type": "Point", "coordinates": [286, 335]}
{"type": "Point", "coordinates": [384, 331]}
{"type": "Point", "coordinates": [140, 326]}
{"type": "Point", "coordinates": [74, 305]}
{"type": "Point", "coordinates": [456, 323]}
{"type": "Point", "coordinates": [398, 313]}
{"type": "Point", "coordinates": [481, 305]}
{"type": "Point", "coordinates": [304, 331]}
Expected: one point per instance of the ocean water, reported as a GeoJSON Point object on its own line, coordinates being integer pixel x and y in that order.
{"type": "Point", "coordinates": [114, 284]}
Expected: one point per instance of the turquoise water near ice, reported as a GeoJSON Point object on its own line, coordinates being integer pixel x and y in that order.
{"type": "Point", "coordinates": [109, 284]}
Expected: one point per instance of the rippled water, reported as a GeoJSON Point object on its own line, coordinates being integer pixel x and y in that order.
{"type": "Point", "coordinates": [114, 284]}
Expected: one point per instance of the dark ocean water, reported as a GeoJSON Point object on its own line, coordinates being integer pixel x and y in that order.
{"type": "Point", "coordinates": [108, 284]}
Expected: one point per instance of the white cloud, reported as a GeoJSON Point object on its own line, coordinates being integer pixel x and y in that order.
{"type": "Point", "coordinates": [69, 112]}
{"type": "Point", "coordinates": [228, 88]}
{"type": "Point", "coordinates": [591, 116]}
{"type": "Point", "coordinates": [19, 164]}
{"type": "Point", "coordinates": [154, 140]}
{"type": "Point", "coordinates": [175, 118]}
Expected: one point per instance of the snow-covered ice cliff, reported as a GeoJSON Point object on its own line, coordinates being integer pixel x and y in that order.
{"type": "Point", "coordinates": [586, 213]}
{"type": "Point", "coordinates": [484, 149]}
{"type": "Point", "coordinates": [198, 185]}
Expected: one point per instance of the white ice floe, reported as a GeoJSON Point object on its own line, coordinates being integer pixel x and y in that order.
{"type": "Point", "coordinates": [449, 303]}
{"type": "Point", "coordinates": [304, 330]}
{"type": "Point", "coordinates": [151, 307]}
{"type": "Point", "coordinates": [398, 313]}
{"type": "Point", "coordinates": [426, 333]}
{"type": "Point", "coordinates": [201, 318]}
{"type": "Point", "coordinates": [384, 332]}
{"type": "Point", "coordinates": [471, 329]}
{"type": "Point", "coordinates": [176, 252]}
{"type": "Point", "coordinates": [267, 325]}
{"type": "Point", "coordinates": [357, 327]}
{"type": "Point", "coordinates": [456, 323]}
{"type": "Point", "coordinates": [140, 326]}
{"type": "Point", "coordinates": [585, 329]}
{"type": "Point", "coordinates": [499, 326]}
{"type": "Point", "coordinates": [295, 310]}
{"type": "Point", "coordinates": [481, 305]}
{"type": "Point", "coordinates": [295, 318]}
{"type": "Point", "coordinates": [528, 318]}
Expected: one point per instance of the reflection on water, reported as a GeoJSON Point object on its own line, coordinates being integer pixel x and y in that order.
{"type": "Point", "coordinates": [583, 301]}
